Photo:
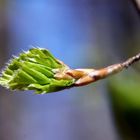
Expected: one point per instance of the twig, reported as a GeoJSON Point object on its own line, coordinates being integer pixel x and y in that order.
{"type": "Point", "coordinates": [87, 76]}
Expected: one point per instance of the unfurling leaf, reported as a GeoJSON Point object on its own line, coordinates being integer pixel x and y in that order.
{"type": "Point", "coordinates": [35, 70]}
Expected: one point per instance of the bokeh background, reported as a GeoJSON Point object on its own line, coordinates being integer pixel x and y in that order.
{"type": "Point", "coordinates": [82, 33]}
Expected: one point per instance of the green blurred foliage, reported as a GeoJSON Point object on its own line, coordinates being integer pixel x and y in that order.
{"type": "Point", "coordinates": [125, 98]}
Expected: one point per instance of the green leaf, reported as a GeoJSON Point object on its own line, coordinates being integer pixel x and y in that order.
{"type": "Point", "coordinates": [35, 70]}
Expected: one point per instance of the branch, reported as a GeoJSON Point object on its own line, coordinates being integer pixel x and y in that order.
{"type": "Point", "coordinates": [87, 76]}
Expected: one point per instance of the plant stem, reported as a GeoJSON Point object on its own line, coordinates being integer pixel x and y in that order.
{"type": "Point", "coordinates": [131, 60]}
{"type": "Point", "coordinates": [87, 76]}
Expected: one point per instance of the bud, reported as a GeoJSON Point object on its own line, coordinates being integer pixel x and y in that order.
{"type": "Point", "coordinates": [39, 70]}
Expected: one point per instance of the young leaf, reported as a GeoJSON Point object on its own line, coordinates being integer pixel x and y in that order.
{"type": "Point", "coordinates": [35, 70]}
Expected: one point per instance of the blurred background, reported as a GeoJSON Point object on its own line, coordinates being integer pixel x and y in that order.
{"type": "Point", "coordinates": [83, 34]}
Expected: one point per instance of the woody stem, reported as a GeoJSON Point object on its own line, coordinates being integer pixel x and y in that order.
{"type": "Point", "coordinates": [131, 61]}
{"type": "Point", "coordinates": [98, 74]}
